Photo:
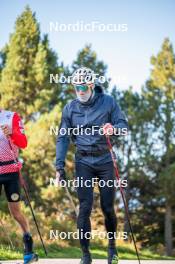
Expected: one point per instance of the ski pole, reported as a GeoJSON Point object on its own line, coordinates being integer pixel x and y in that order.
{"type": "Point", "coordinates": [28, 198]}
{"type": "Point", "coordinates": [6, 234]}
{"type": "Point", "coordinates": [123, 195]}
{"type": "Point", "coordinates": [34, 218]}
{"type": "Point", "coordinates": [71, 200]}
{"type": "Point", "coordinates": [70, 197]}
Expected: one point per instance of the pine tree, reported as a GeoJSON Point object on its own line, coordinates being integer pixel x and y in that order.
{"type": "Point", "coordinates": [24, 85]}
{"type": "Point", "coordinates": [160, 94]}
{"type": "Point", "coordinates": [17, 84]}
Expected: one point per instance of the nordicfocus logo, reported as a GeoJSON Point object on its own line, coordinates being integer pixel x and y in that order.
{"type": "Point", "coordinates": [79, 234]}
{"type": "Point", "coordinates": [57, 78]}
{"type": "Point", "coordinates": [88, 131]}
{"type": "Point", "coordinates": [90, 27]}
{"type": "Point", "coordinates": [15, 196]}
{"type": "Point", "coordinates": [80, 182]}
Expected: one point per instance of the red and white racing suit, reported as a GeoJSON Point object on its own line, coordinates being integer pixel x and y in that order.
{"type": "Point", "coordinates": [17, 140]}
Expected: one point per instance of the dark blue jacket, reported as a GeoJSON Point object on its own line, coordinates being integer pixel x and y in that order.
{"type": "Point", "coordinates": [100, 109]}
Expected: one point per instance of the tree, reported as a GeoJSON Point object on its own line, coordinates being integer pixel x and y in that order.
{"type": "Point", "coordinates": [24, 85]}
{"type": "Point", "coordinates": [160, 96]}
{"type": "Point", "coordinates": [132, 154]}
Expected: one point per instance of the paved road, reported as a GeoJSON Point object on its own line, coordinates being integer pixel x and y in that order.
{"type": "Point", "coordinates": [76, 261]}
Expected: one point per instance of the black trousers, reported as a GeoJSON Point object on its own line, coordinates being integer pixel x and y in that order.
{"type": "Point", "coordinates": [103, 172]}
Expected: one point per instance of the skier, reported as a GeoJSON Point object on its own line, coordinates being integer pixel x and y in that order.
{"type": "Point", "coordinates": [92, 159]}
{"type": "Point", "coordinates": [12, 135]}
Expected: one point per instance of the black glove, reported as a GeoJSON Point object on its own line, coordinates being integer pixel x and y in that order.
{"type": "Point", "coordinates": [62, 174]}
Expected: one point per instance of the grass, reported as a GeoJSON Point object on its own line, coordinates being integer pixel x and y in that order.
{"type": "Point", "coordinates": [125, 252]}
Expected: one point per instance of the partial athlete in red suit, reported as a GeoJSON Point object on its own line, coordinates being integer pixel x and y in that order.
{"type": "Point", "coordinates": [12, 130]}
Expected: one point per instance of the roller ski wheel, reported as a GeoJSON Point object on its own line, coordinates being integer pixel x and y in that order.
{"type": "Point", "coordinates": [114, 259]}
{"type": "Point", "coordinates": [112, 256]}
{"type": "Point", "coordinates": [30, 258]}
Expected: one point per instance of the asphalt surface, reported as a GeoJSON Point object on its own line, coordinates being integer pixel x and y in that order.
{"type": "Point", "coordinates": [95, 261]}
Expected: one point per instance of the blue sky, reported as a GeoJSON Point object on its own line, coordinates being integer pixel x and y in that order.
{"type": "Point", "coordinates": [127, 54]}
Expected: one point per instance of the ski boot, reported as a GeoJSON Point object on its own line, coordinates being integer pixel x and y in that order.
{"type": "Point", "coordinates": [112, 256]}
{"type": "Point", "coordinates": [86, 259]}
{"type": "Point", "coordinates": [29, 256]}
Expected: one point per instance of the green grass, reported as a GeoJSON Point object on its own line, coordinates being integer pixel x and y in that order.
{"type": "Point", "coordinates": [8, 254]}
{"type": "Point", "coordinates": [73, 252]}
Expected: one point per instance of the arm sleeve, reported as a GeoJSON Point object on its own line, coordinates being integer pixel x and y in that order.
{"type": "Point", "coordinates": [118, 118]}
{"type": "Point", "coordinates": [63, 140]}
{"type": "Point", "coordinates": [18, 136]}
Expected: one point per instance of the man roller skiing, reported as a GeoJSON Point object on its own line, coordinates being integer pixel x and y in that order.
{"type": "Point", "coordinates": [12, 137]}
{"type": "Point", "coordinates": [92, 159]}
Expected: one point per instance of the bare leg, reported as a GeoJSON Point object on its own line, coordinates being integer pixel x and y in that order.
{"type": "Point", "coordinates": [15, 210]}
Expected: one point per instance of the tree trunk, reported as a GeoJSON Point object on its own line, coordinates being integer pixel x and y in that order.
{"type": "Point", "coordinates": [168, 230]}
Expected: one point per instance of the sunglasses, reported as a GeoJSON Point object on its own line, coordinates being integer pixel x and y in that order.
{"type": "Point", "coordinates": [82, 88]}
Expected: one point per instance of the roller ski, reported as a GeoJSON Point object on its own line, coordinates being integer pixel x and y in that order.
{"type": "Point", "coordinates": [30, 258]}
{"type": "Point", "coordinates": [86, 259]}
{"type": "Point", "coordinates": [112, 256]}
